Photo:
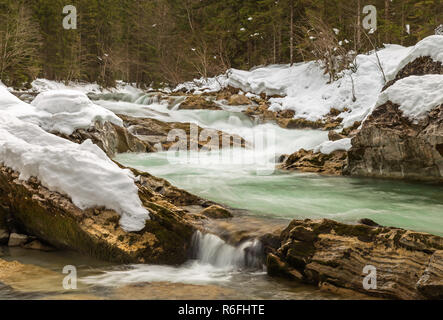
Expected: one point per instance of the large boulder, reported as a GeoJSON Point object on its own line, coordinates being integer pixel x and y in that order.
{"type": "Point", "coordinates": [239, 100]}
{"type": "Point", "coordinates": [195, 102]}
{"type": "Point", "coordinates": [53, 218]}
{"type": "Point", "coordinates": [310, 161]}
{"type": "Point", "coordinates": [392, 146]}
{"type": "Point", "coordinates": [408, 264]}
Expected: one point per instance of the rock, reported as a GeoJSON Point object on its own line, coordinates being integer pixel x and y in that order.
{"type": "Point", "coordinates": [431, 282]}
{"type": "Point", "coordinates": [368, 222]}
{"type": "Point", "coordinates": [27, 278]}
{"type": "Point", "coordinates": [408, 264]}
{"type": "Point", "coordinates": [4, 232]}
{"type": "Point", "coordinates": [198, 103]}
{"type": "Point", "coordinates": [299, 123]}
{"type": "Point", "coordinates": [216, 212]}
{"type": "Point", "coordinates": [53, 218]}
{"type": "Point", "coordinates": [154, 132]}
{"type": "Point", "coordinates": [334, 136]}
{"type": "Point", "coordinates": [112, 139]}
{"type": "Point", "coordinates": [175, 291]}
{"type": "Point", "coordinates": [223, 95]}
{"type": "Point", "coordinates": [37, 245]}
{"type": "Point", "coordinates": [419, 67]}
{"type": "Point", "coordinates": [4, 236]}
{"type": "Point", "coordinates": [239, 100]}
{"type": "Point", "coordinates": [391, 146]}
{"type": "Point", "coordinates": [309, 161]}
{"type": "Point", "coordinates": [17, 240]}
{"type": "Point", "coordinates": [352, 130]}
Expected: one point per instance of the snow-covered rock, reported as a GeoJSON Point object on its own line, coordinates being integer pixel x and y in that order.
{"type": "Point", "coordinates": [431, 46]}
{"type": "Point", "coordinates": [329, 147]}
{"type": "Point", "coordinates": [81, 171]}
{"type": "Point", "coordinates": [416, 95]}
{"type": "Point", "coordinates": [65, 111]}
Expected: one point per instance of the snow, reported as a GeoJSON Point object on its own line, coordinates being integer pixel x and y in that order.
{"type": "Point", "coordinates": [81, 171]}
{"type": "Point", "coordinates": [431, 46]}
{"type": "Point", "coordinates": [416, 95]}
{"type": "Point", "coordinates": [201, 85]}
{"type": "Point", "coordinates": [330, 146]}
{"type": "Point", "coordinates": [42, 85]}
{"type": "Point", "coordinates": [305, 88]}
{"type": "Point", "coordinates": [61, 111]}
{"type": "Point", "coordinates": [65, 111]}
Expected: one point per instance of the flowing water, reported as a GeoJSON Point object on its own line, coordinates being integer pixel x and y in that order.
{"type": "Point", "coordinates": [243, 179]}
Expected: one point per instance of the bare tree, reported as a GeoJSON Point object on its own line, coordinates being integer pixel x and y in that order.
{"type": "Point", "coordinates": [19, 41]}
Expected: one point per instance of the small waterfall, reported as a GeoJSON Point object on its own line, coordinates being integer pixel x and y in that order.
{"type": "Point", "coordinates": [147, 99]}
{"type": "Point", "coordinates": [210, 249]}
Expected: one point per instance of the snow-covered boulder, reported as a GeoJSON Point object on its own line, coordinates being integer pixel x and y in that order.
{"type": "Point", "coordinates": [428, 52]}
{"type": "Point", "coordinates": [64, 111]}
{"type": "Point", "coordinates": [73, 196]}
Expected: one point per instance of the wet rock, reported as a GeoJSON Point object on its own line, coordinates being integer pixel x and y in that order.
{"type": "Point", "coordinates": [37, 245]}
{"type": "Point", "coordinates": [216, 212]}
{"type": "Point", "coordinates": [239, 100]}
{"type": "Point", "coordinates": [17, 240]}
{"type": "Point", "coordinates": [310, 161]}
{"type": "Point", "coordinates": [175, 291]}
{"type": "Point", "coordinates": [431, 282]}
{"type": "Point", "coordinates": [391, 146]}
{"type": "Point", "coordinates": [408, 264]}
{"type": "Point", "coordinates": [198, 103]}
{"type": "Point", "coordinates": [4, 230]}
{"type": "Point", "coordinates": [334, 136]}
{"type": "Point", "coordinates": [25, 279]}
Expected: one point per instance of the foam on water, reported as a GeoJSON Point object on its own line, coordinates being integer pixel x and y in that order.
{"type": "Point", "coordinates": [213, 261]}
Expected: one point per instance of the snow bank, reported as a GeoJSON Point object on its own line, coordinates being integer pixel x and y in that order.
{"type": "Point", "coordinates": [42, 85]}
{"type": "Point", "coordinates": [305, 88]}
{"type": "Point", "coordinates": [83, 172]}
{"type": "Point", "coordinates": [197, 86]}
{"type": "Point", "coordinates": [61, 111]}
{"type": "Point", "coordinates": [65, 111]}
{"type": "Point", "coordinates": [431, 46]}
{"type": "Point", "coordinates": [330, 146]}
{"type": "Point", "coordinates": [416, 95]}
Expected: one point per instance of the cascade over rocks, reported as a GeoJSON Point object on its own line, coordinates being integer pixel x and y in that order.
{"type": "Point", "coordinates": [409, 264]}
